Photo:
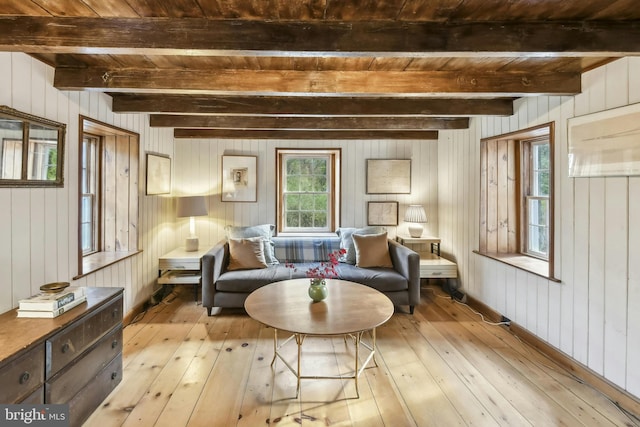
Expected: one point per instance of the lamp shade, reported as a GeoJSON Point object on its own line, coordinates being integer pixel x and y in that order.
{"type": "Point", "coordinates": [415, 213]}
{"type": "Point", "coordinates": [191, 206]}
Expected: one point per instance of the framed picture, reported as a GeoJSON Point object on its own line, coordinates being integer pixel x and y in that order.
{"type": "Point", "coordinates": [605, 143]}
{"type": "Point", "coordinates": [158, 174]}
{"type": "Point", "coordinates": [382, 213]}
{"type": "Point", "coordinates": [239, 178]}
{"type": "Point", "coordinates": [388, 176]}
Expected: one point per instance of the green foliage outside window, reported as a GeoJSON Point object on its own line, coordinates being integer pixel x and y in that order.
{"type": "Point", "coordinates": [306, 193]}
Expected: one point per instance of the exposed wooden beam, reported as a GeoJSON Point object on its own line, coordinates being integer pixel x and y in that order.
{"type": "Point", "coordinates": [308, 123]}
{"type": "Point", "coordinates": [324, 106]}
{"type": "Point", "coordinates": [193, 36]}
{"type": "Point", "coordinates": [266, 82]}
{"type": "Point", "coordinates": [304, 134]}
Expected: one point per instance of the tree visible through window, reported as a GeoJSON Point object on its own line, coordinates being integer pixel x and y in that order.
{"type": "Point", "coordinates": [308, 184]}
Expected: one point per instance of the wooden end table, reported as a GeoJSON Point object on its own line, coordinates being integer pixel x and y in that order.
{"type": "Point", "coordinates": [350, 309]}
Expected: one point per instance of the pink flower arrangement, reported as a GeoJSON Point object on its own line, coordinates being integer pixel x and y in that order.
{"type": "Point", "coordinates": [325, 270]}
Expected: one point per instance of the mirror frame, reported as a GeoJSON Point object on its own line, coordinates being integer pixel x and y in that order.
{"type": "Point", "coordinates": [28, 119]}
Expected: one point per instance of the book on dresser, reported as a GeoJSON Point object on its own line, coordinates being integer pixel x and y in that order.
{"type": "Point", "coordinates": [51, 305]}
{"type": "Point", "coordinates": [52, 313]}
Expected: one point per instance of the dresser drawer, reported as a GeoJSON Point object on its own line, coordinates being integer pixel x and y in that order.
{"type": "Point", "coordinates": [63, 347]}
{"type": "Point", "coordinates": [92, 395]}
{"type": "Point", "coordinates": [74, 377]}
{"type": "Point", "coordinates": [21, 376]}
{"type": "Point", "coordinates": [35, 398]}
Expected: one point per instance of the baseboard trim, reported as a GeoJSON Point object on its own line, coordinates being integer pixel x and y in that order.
{"type": "Point", "coordinates": [623, 398]}
{"type": "Point", "coordinates": [139, 308]}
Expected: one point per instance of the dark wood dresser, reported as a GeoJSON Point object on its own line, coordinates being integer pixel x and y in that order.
{"type": "Point", "coordinates": [75, 358]}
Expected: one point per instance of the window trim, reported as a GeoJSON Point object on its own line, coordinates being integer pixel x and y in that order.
{"type": "Point", "coordinates": [334, 174]}
{"type": "Point", "coordinates": [96, 220]}
{"type": "Point", "coordinates": [118, 248]}
{"type": "Point", "coordinates": [527, 191]}
{"type": "Point", "coordinates": [513, 254]}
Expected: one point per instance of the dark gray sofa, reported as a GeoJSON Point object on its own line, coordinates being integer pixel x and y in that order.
{"type": "Point", "coordinates": [222, 288]}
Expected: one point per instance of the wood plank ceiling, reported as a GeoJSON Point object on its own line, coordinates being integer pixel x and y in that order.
{"type": "Point", "coordinates": [317, 69]}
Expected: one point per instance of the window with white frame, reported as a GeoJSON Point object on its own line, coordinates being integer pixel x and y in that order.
{"type": "Point", "coordinates": [308, 190]}
{"type": "Point", "coordinates": [89, 200]}
{"type": "Point", "coordinates": [536, 192]}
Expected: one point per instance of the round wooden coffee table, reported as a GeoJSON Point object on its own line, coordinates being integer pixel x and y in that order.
{"type": "Point", "coordinates": [350, 309]}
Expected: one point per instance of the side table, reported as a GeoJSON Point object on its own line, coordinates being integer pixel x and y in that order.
{"type": "Point", "coordinates": [180, 267]}
{"type": "Point", "coordinates": [432, 265]}
{"type": "Point", "coordinates": [433, 242]}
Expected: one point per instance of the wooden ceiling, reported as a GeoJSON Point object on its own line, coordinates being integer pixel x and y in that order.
{"type": "Point", "coordinates": [317, 69]}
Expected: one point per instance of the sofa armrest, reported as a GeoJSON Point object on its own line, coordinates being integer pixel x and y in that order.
{"type": "Point", "coordinates": [213, 263]}
{"type": "Point", "coordinates": [407, 262]}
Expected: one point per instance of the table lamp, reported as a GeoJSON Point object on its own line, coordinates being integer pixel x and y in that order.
{"type": "Point", "coordinates": [191, 206]}
{"type": "Point", "coordinates": [415, 216]}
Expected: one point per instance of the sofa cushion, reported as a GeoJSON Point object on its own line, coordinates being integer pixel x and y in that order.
{"type": "Point", "coordinates": [250, 280]}
{"type": "Point", "coordinates": [381, 279]}
{"type": "Point", "coordinates": [346, 240]}
{"type": "Point", "coordinates": [372, 250]}
{"type": "Point", "coordinates": [246, 253]}
{"type": "Point", "coordinates": [305, 249]}
{"type": "Point", "coordinates": [265, 231]}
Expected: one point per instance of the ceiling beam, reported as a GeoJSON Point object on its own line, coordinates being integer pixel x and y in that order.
{"type": "Point", "coordinates": [307, 122]}
{"type": "Point", "coordinates": [302, 105]}
{"type": "Point", "coordinates": [267, 82]}
{"type": "Point", "coordinates": [304, 134]}
{"type": "Point", "coordinates": [195, 36]}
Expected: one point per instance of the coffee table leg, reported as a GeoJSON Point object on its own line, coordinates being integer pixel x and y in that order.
{"type": "Point", "coordinates": [356, 371]}
{"type": "Point", "coordinates": [299, 340]}
{"type": "Point", "coordinates": [373, 337]}
{"type": "Point", "coordinates": [275, 346]}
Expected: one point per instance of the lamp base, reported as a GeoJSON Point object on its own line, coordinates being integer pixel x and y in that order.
{"type": "Point", "coordinates": [415, 230]}
{"type": "Point", "coordinates": [191, 244]}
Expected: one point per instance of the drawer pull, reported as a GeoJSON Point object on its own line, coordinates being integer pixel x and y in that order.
{"type": "Point", "coordinates": [24, 377]}
{"type": "Point", "coordinates": [114, 343]}
{"type": "Point", "coordinates": [65, 347]}
{"type": "Point", "coordinates": [437, 273]}
{"type": "Point", "coordinates": [114, 375]}
{"type": "Point", "coordinates": [114, 313]}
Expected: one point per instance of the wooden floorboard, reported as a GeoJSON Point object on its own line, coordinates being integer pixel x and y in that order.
{"type": "Point", "coordinates": [442, 366]}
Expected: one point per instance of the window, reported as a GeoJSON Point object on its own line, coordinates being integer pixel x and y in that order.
{"type": "Point", "coordinates": [308, 190]}
{"type": "Point", "coordinates": [107, 195]}
{"type": "Point", "coordinates": [536, 197]}
{"type": "Point", "coordinates": [89, 206]}
{"type": "Point", "coordinates": [516, 203]}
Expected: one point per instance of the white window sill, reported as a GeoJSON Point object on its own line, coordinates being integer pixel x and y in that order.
{"type": "Point", "coordinates": [532, 265]}
{"type": "Point", "coordinates": [99, 260]}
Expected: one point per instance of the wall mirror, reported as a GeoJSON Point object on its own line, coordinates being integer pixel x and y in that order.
{"type": "Point", "coordinates": [31, 150]}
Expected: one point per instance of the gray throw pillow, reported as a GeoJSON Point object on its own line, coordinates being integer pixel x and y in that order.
{"type": "Point", "coordinates": [264, 230]}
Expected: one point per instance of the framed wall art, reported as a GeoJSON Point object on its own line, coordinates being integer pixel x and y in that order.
{"type": "Point", "coordinates": [239, 178]}
{"type": "Point", "coordinates": [388, 176]}
{"type": "Point", "coordinates": [382, 213]}
{"type": "Point", "coordinates": [605, 143]}
{"type": "Point", "coordinates": [158, 174]}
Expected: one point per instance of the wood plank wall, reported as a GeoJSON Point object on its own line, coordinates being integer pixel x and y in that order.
{"type": "Point", "coordinates": [592, 315]}
{"type": "Point", "coordinates": [38, 227]}
{"type": "Point", "coordinates": [198, 163]}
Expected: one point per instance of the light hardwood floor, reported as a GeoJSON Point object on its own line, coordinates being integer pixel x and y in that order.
{"type": "Point", "coordinates": [440, 367]}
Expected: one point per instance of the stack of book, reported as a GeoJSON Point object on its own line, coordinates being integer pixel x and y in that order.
{"type": "Point", "coordinates": [52, 305]}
